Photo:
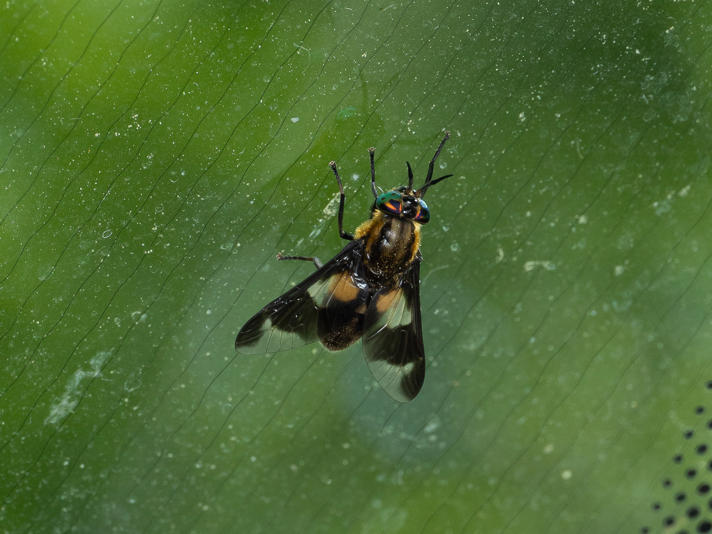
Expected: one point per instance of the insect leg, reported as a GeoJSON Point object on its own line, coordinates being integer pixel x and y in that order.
{"type": "Point", "coordinates": [313, 259]}
{"type": "Point", "coordinates": [431, 167]}
{"type": "Point", "coordinates": [344, 235]}
{"type": "Point", "coordinates": [373, 172]}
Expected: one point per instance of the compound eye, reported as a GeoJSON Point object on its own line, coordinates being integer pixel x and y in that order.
{"type": "Point", "coordinates": [422, 214]}
{"type": "Point", "coordinates": [390, 202]}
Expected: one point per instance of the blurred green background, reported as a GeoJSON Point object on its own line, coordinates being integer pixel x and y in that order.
{"type": "Point", "coordinates": [155, 156]}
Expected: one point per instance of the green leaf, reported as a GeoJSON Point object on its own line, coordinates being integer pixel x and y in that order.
{"type": "Point", "coordinates": [155, 156]}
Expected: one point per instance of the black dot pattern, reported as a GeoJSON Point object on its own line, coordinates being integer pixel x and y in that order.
{"type": "Point", "coordinates": [685, 504]}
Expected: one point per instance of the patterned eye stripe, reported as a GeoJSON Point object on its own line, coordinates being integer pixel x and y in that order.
{"type": "Point", "coordinates": [422, 214]}
{"type": "Point", "coordinates": [394, 206]}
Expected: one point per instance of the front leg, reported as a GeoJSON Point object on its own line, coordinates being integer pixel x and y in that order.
{"type": "Point", "coordinates": [344, 235]}
{"type": "Point", "coordinates": [313, 259]}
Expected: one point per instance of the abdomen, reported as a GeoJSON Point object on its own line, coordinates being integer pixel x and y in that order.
{"type": "Point", "coordinates": [393, 249]}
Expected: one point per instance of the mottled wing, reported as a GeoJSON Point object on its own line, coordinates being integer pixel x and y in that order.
{"type": "Point", "coordinates": [393, 337]}
{"type": "Point", "coordinates": [294, 318]}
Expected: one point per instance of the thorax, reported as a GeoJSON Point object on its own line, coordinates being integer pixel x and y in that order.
{"type": "Point", "coordinates": [390, 244]}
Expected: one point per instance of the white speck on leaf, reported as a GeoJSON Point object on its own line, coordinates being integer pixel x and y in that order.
{"type": "Point", "coordinates": [432, 426]}
{"type": "Point", "coordinates": [70, 398]}
{"type": "Point", "coordinates": [329, 211]}
{"type": "Point", "coordinates": [332, 207]}
{"type": "Point", "coordinates": [545, 264]}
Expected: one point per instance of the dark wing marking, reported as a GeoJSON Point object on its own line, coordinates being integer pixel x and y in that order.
{"type": "Point", "coordinates": [393, 337]}
{"type": "Point", "coordinates": [297, 317]}
{"type": "Point", "coordinates": [342, 308]}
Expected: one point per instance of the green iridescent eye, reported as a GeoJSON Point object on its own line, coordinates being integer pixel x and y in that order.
{"type": "Point", "coordinates": [423, 214]}
{"type": "Point", "coordinates": [390, 202]}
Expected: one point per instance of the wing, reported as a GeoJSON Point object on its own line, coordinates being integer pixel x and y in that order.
{"type": "Point", "coordinates": [393, 337]}
{"type": "Point", "coordinates": [298, 316]}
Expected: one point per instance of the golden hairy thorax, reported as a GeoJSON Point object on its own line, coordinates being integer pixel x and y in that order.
{"type": "Point", "coordinates": [390, 244]}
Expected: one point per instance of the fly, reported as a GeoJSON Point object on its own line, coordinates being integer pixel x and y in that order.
{"type": "Point", "coordinates": [369, 290]}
